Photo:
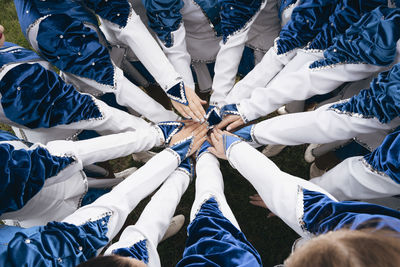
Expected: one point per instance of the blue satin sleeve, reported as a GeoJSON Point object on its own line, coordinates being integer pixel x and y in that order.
{"type": "Point", "coordinates": [38, 98]}
{"type": "Point", "coordinates": [23, 173]}
{"type": "Point", "coordinates": [385, 159]}
{"type": "Point", "coordinates": [72, 47]}
{"type": "Point", "coordinates": [164, 18]}
{"type": "Point", "coordinates": [137, 251]}
{"type": "Point", "coordinates": [116, 11]}
{"type": "Point", "coordinates": [346, 13]}
{"type": "Point", "coordinates": [322, 214]}
{"type": "Point", "coordinates": [211, 9]}
{"type": "Point", "coordinates": [214, 241]}
{"type": "Point", "coordinates": [12, 53]}
{"type": "Point", "coordinates": [235, 14]}
{"type": "Point", "coordinates": [6, 136]}
{"type": "Point", "coordinates": [56, 244]}
{"type": "Point", "coordinates": [381, 101]}
{"type": "Point", "coordinates": [371, 40]}
{"type": "Point", "coordinates": [306, 22]}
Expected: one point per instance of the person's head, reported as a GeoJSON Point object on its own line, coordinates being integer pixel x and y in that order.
{"type": "Point", "coordinates": [2, 37]}
{"type": "Point", "coordinates": [347, 248]}
{"type": "Point", "coordinates": [112, 260]}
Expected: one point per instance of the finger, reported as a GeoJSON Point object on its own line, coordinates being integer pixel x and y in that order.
{"type": "Point", "coordinates": [218, 135]}
{"type": "Point", "coordinates": [214, 140]}
{"type": "Point", "coordinates": [200, 131]}
{"type": "Point", "coordinates": [189, 123]}
{"type": "Point", "coordinates": [198, 103]}
{"type": "Point", "coordinates": [191, 114]}
{"type": "Point", "coordinates": [191, 128]}
{"type": "Point", "coordinates": [254, 197]}
{"type": "Point", "coordinates": [225, 122]}
{"type": "Point", "coordinates": [182, 112]}
{"type": "Point", "coordinates": [270, 215]}
{"type": "Point", "coordinates": [198, 110]}
{"type": "Point", "coordinates": [197, 144]}
{"type": "Point", "coordinates": [234, 125]}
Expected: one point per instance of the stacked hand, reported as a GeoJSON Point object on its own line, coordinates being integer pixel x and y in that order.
{"type": "Point", "coordinates": [191, 129]}
{"type": "Point", "coordinates": [194, 110]}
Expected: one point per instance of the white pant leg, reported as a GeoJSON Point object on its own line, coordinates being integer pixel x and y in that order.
{"type": "Point", "coordinates": [298, 82]}
{"type": "Point", "coordinates": [125, 196]}
{"type": "Point", "coordinates": [210, 183]}
{"type": "Point", "coordinates": [136, 36]}
{"type": "Point", "coordinates": [279, 190]}
{"type": "Point", "coordinates": [260, 76]}
{"type": "Point", "coordinates": [352, 179]}
{"type": "Point", "coordinates": [319, 127]}
{"type": "Point", "coordinates": [155, 218]}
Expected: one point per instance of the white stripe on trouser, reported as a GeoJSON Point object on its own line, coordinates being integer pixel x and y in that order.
{"type": "Point", "coordinates": [351, 179]}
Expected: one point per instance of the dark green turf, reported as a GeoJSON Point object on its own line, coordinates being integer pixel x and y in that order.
{"type": "Point", "coordinates": [271, 237]}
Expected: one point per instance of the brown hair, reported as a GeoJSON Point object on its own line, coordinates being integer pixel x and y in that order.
{"type": "Point", "coordinates": [112, 260]}
{"type": "Point", "coordinates": [349, 248]}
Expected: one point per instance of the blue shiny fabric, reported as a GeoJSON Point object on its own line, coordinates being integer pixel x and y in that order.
{"type": "Point", "coordinates": [229, 140]}
{"type": "Point", "coordinates": [29, 11]}
{"type": "Point", "coordinates": [38, 98]}
{"type": "Point", "coordinates": [177, 93]}
{"type": "Point", "coordinates": [164, 17]}
{"type": "Point", "coordinates": [235, 14]}
{"type": "Point", "coordinates": [93, 194]}
{"type": "Point", "coordinates": [15, 54]}
{"type": "Point", "coordinates": [322, 214]}
{"type": "Point", "coordinates": [116, 11]}
{"type": "Point", "coordinates": [6, 136]}
{"type": "Point", "coordinates": [306, 22]}
{"type": "Point", "coordinates": [137, 251]}
{"type": "Point", "coordinates": [24, 172]}
{"type": "Point", "coordinates": [183, 148]}
{"type": "Point", "coordinates": [187, 166]}
{"type": "Point", "coordinates": [371, 40]}
{"type": "Point", "coordinates": [284, 4]}
{"type": "Point", "coordinates": [211, 9]}
{"type": "Point", "coordinates": [386, 157]}
{"type": "Point", "coordinates": [230, 109]}
{"type": "Point", "coordinates": [212, 115]}
{"type": "Point", "coordinates": [214, 241]}
{"type": "Point", "coordinates": [347, 12]}
{"type": "Point", "coordinates": [381, 101]}
{"type": "Point", "coordinates": [245, 133]}
{"type": "Point", "coordinates": [169, 129]}
{"type": "Point", "coordinates": [72, 47]}
{"type": "Point", "coordinates": [55, 244]}
{"type": "Point", "coordinates": [203, 149]}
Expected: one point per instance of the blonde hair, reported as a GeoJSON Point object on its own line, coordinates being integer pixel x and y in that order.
{"type": "Point", "coordinates": [349, 248]}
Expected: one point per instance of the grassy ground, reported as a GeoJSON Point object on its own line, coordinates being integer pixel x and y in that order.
{"type": "Point", "coordinates": [271, 237]}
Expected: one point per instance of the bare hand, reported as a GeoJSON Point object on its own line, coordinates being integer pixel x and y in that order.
{"type": "Point", "coordinates": [217, 142]}
{"type": "Point", "coordinates": [197, 130]}
{"type": "Point", "coordinates": [231, 122]}
{"type": "Point", "coordinates": [256, 200]}
{"type": "Point", "coordinates": [2, 37]}
{"type": "Point", "coordinates": [195, 109]}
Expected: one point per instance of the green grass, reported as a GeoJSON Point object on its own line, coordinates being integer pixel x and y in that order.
{"type": "Point", "coordinates": [271, 237]}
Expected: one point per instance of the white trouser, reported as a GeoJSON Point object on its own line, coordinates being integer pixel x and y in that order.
{"type": "Point", "coordinates": [319, 127]}
{"type": "Point", "coordinates": [298, 82]}
{"type": "Point", "coordinates": [155, 218]}
{"type": "Point", "coordinates": [112, 121]}
{"type": "Point", "coordinates": [279, 190]}
{"type": "Point", "coordinates": [354, 179]}
{"type": "Point", "coordinates": [210, 183]}
{"type": "Point", "coordinates": [125, 196]}
{"type": "Point", "coordinates": [260, 76]}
